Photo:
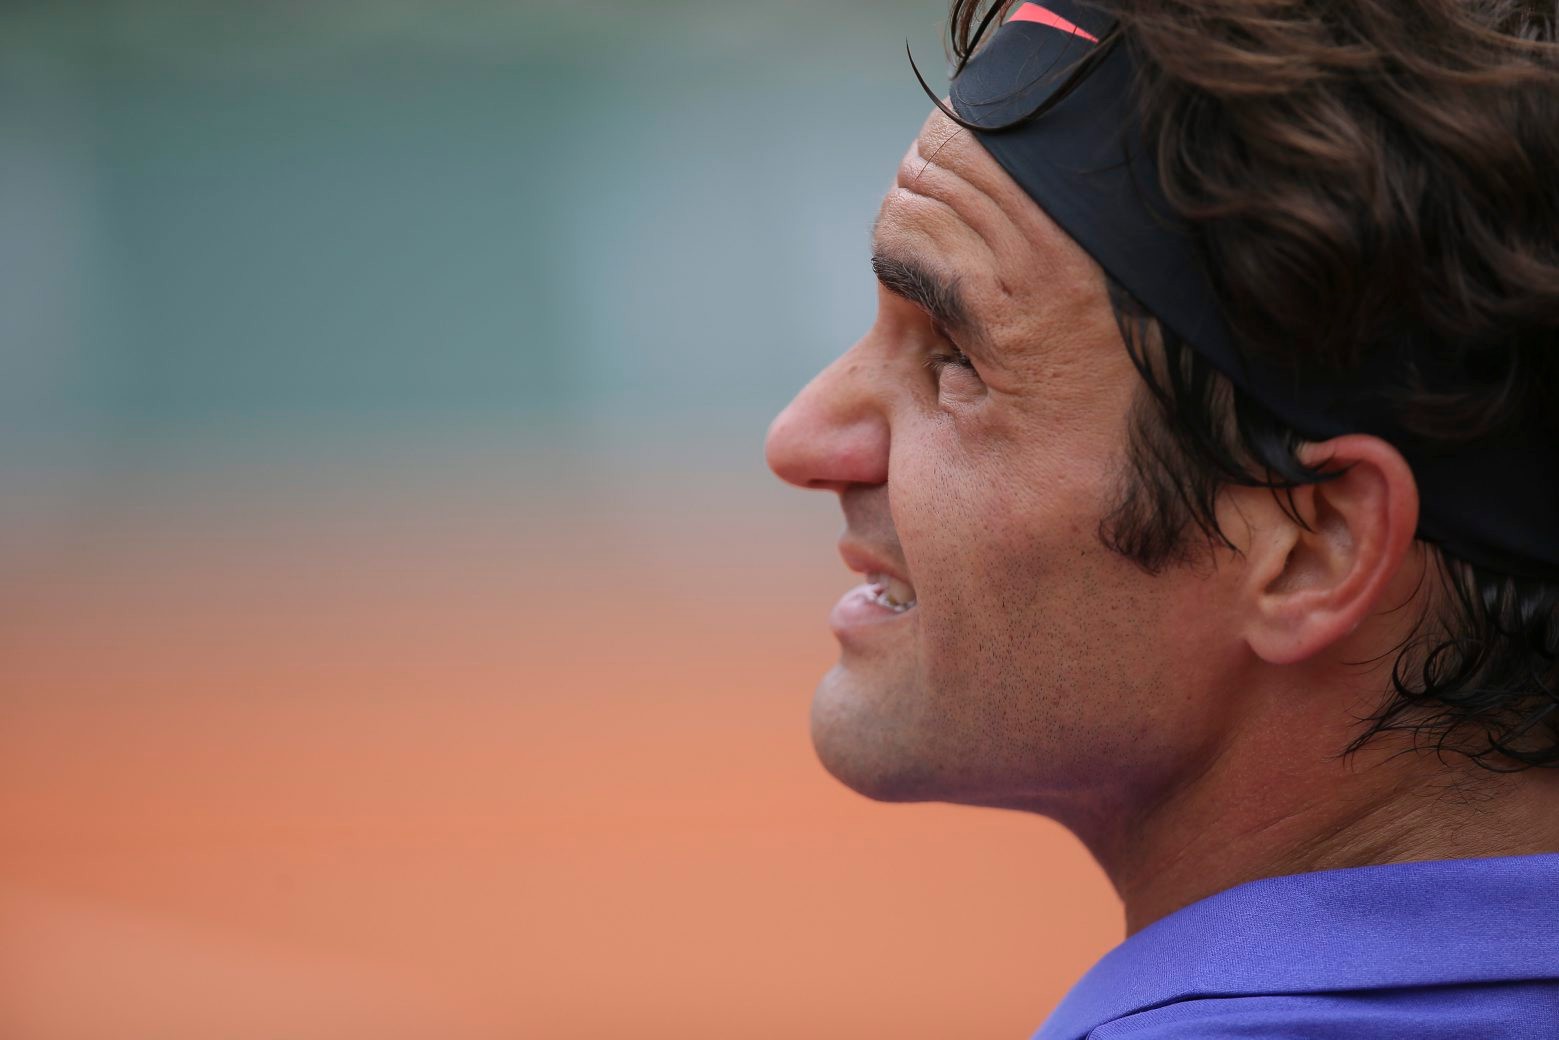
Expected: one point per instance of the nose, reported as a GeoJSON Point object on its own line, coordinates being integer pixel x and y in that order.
{"type": "Point", "coordinates": [834, 435]}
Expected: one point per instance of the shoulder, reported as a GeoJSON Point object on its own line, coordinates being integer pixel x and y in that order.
{"type": "Point", "coordinates": [1501, 1011]}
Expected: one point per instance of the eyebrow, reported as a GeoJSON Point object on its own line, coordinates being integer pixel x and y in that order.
{"type": "Point", "coordinates": [939, 297]}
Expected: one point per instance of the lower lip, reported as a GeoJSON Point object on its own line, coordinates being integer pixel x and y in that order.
{"type": "Point", "coordinates": [858, 609]}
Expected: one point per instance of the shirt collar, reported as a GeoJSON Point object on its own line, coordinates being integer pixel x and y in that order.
{"type": "Point", "coordinates": [1443, 922]}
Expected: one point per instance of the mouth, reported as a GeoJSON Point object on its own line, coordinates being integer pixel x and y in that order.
{"type": "Point", "coordinates": [883, 597]}
{"type": "Point", "coordinates": [889, 592]}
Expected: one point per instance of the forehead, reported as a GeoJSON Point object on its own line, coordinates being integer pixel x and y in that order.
{"type": "Point", "coordinates": [955, 209]}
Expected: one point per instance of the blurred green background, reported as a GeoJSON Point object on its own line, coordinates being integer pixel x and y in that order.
{"type": "Point", "coordinates": [276, 223]}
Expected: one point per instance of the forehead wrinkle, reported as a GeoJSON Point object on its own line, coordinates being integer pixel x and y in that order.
{"type": "Point", "coordinates": [974, 208]}
{"type": "Point", "coordinates": [954, 165]}
{"type": "Point", "coordinates": [907, 213]}
{"type": "Point", "coordinates": [938, 134]}
{"type": "Point", "coordinates": [1008, 254]}
{"type": "Point", "coordinates": [901, 208]}
{"type": "Point", "coordinates": [925, 228]}
{"type": "Point", "coordinates": [1030, 248]}
{"type": "Point", "coordinates": [1046, 250]}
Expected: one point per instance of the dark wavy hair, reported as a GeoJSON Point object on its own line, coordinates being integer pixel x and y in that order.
{"type": "Point", "coordinates": [1354, 169]}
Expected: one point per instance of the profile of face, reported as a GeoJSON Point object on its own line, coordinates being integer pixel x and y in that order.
{"type": "Point", "coordinates": [998, 653]}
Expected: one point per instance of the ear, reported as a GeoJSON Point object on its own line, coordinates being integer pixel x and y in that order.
{"type": "Point", "coordinates": [1310, 585]}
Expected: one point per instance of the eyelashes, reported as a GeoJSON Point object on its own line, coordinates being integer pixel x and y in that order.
{"type": "Point", "coordinates": [953, 374]}
{"type": "Point", "coordinates": [952, 371]}
{"type": "Point", "coordinates": [950, 358]}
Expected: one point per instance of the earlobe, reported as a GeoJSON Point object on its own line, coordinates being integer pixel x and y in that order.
{"type": "Point", "coordinates": [1318, 571]}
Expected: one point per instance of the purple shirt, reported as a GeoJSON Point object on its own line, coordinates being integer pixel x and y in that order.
{"type": "Point", "coordinates": [1465, 949]}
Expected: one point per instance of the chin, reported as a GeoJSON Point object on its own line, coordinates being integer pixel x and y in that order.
{"type": "Point", "coordinates": [862, 737]}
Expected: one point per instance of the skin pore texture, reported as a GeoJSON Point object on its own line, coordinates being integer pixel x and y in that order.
{"type": "Point", "coordinates": [1186, 726]}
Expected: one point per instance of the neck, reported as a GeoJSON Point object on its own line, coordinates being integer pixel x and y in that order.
{"type": "Point", "coordinates": [1264, 807]}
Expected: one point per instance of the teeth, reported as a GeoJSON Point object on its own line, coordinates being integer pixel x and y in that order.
{"type": "Point", "coordinates": [889, 592]}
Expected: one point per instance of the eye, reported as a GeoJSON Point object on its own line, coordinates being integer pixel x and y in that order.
{"type": "Point", "coordinates": [950, 358]}
{"type": "Point", "coordinates": [952, 371]}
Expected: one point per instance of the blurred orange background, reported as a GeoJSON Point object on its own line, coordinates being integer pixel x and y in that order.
{"type": "Point", "coordinates": [382, 765]}
{"type": "Point", "coordinates": [399, 644]}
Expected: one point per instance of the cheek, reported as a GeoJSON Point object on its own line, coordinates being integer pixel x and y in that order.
{"type": "Point", "coordinates": [996, 515]}
{"type": "Point", "coordinates": [1004, 553]}
{"type": "Point", "coordinates": [1027, 618]}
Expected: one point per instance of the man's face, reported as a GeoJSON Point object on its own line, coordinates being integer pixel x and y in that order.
{"type": "Point", "coordinates": [976, 438]}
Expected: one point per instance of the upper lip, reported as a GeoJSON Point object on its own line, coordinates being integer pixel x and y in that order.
{"type": "Point", "coordinates": [860, 558]}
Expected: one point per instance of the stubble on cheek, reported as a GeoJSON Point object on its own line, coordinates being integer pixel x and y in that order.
{"type": "Point", "coordinates": [1020, 644]}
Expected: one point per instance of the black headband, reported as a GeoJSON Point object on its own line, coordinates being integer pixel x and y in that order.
{"type": "Point", "coordinates": [1085, 161]}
